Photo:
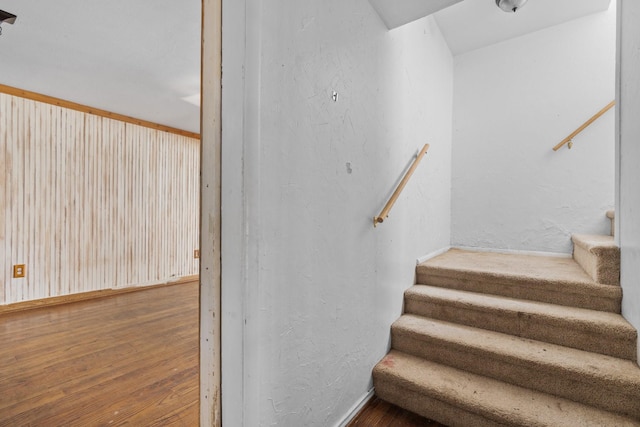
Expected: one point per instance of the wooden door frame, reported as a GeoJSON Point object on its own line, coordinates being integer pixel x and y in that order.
{"type": "Point", "coordinates": [229, 304]}
{"type": "Point", "coordinates": [210, 213]}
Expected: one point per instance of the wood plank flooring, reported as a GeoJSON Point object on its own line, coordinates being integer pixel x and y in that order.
{"type": "Point", "coordinates": [378, 413]}
{"type": "Point", "coordinates": [130, 359]}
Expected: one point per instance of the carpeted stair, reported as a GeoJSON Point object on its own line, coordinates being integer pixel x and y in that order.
{"type": "Point", "coordinates": [598, 256]}
{"type": "Point", "coordinates": [500, 339]}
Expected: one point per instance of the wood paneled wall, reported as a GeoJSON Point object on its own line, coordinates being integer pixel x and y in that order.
{"type": "Point", "coordinates": [91, 203]}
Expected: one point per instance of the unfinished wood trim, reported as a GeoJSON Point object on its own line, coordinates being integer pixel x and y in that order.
{"type": "Point", "coordinates": [84, 296]}
{"type": "Point", "coordinates": [210, 214]}
{"type": "Point", "coordinates": [95, 111]}
{"type": "Point", "coordinates": [593, 118]}
{"type": "Point", "coordinates": [385, 211]}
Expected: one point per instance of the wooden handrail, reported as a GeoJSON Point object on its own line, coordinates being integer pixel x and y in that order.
{"type": "Point", "coordinates": [584, 125]}
{"type": "Point", "coordinates": [385, 211]}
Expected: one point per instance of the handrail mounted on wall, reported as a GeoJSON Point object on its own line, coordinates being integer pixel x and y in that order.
{"type": "Point", "coordinates": [584, 125]}
{"type": "Point", "coordinates": [385, 211]}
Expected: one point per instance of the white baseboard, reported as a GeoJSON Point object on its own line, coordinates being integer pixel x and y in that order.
{"type": "Point", "coordinates": [356, 408]}
{"type": "Point", "coordinates": [432, 255]}
{"type": "Point", "coordinates": [514, 251]}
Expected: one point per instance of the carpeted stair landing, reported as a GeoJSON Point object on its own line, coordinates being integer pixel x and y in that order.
{"type": "Point", "coordinates": [493, 339]}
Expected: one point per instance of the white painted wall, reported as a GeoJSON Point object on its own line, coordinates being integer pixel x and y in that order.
{"type": "Point", "coordinates": [310, 288]}
{"type": "Point", "coordinates": [628, 154]}
{"type": "Point", "coordinates": [514, 101]}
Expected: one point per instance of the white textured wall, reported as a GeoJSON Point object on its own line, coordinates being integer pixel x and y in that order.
{"type": "Point", "coordinates": [90, 203]}
{"type": "Point", "coordinates": [514, 101]}
{"type": "Point", "coordinates": [321, 285]}
{"type": "Point", "coordinates": [628, 221]}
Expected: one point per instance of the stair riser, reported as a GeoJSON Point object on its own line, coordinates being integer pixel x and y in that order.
{"type": "Point", "coordinates": [428, 406]}
{"type": "Point", "coordinates": [460, 398]}
{"type": "Point", "coordinates": [602, 269]}
{"type": "Point", "coordinates": [552, 330]}
{"type": "Point", "coordinates": [545, 378]}
{"type": "Point", "coordinates": [548, 293]}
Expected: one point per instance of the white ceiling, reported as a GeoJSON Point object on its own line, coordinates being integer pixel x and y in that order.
{"type": "Point", "coordinates": [141, 58]}
{"type": "Point", "coordinates": [395, 13]}
{"type": "Point", "coordinates": [473, 24]}
{"type": "Point", "coordinates": [133, 57]}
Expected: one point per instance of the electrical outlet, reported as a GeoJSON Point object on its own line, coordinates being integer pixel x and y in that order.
{"type": "Point", "coordinates": [196, 253]}
{"type": "Point", "coordinates": [19, 270]}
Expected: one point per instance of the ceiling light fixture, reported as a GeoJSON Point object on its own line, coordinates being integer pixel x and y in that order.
{"type": "Point", "coordinates": [510, 5]}
{"type": "Point", "coordinates": [7, 17]}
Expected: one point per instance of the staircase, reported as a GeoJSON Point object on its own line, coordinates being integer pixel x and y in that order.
{"type": "Point", "coordinates": [516, 340]}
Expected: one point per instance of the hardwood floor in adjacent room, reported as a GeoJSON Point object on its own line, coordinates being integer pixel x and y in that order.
{"type": "Point", "coordinates": [378, 413]}
{"type": "Point", "coordinates": [130, 359]}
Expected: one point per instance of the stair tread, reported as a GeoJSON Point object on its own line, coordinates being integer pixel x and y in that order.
{"type": "Point", "coordinates": [529, 277]}
{"type": "Point", "coordinates": [592, 366]}
{"type": "Point", "coordinates": [513, 267]}
{"type": "Point", "coordinates": [594, 242]}
{"type": "Point", "coordinates": [599, 257]}
{"type": "Point", "coordinates": [612, 322]}
{"type": "Point", "coordinates": [493, 399]}
{"type": "Point", "coordinates": [590, 330]}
